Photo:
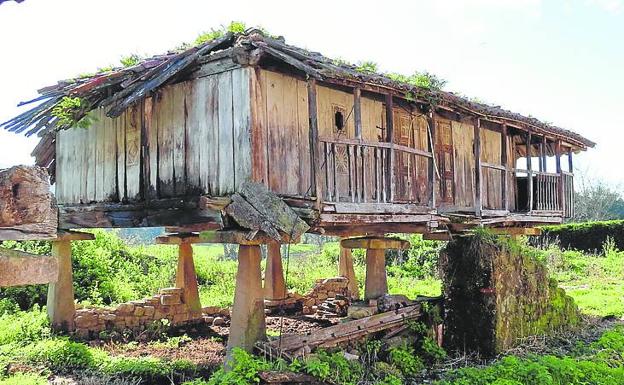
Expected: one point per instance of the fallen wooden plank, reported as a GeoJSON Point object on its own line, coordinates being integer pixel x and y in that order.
{"type": "Point", "coordinates": [19, 268]}
{"type": "Point", "coordinates": [333, 335]}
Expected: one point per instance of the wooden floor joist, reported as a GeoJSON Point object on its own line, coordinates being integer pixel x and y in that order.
{"type": "Point", "coordinates": [250, 238]}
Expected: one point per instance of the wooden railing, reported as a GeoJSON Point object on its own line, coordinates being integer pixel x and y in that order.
{"type": "Point", "coordinates": [568, 194]}
{"type": "Point", "coordinates": [547, 192]}
{"type": "Point", "coordinates": [358, 171]}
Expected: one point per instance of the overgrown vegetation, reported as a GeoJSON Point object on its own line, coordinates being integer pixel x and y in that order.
{"type": "Point", "coordinates": [72, 112]}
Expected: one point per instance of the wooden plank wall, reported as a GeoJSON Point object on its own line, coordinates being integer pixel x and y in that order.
{"type": "Point", "coordinates": [463, 142]}
{"type": "Point", "coordinates": [281, 141]}
{"type": "Point", "coordinates": [491, 179]}
{"type": "Point", "coordinates": [197, 142]}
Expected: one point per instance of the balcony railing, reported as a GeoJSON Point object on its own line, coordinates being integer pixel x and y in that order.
{"type": "Point", "coordinates": [358, 171]}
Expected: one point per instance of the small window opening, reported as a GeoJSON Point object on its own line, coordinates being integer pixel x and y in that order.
{"type": "Point", "coordinates": [339, 120]}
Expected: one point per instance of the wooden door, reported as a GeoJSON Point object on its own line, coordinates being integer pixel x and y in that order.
{"type": "Point", "coordinates": [410, 170]}
{"type": "Point", "coordinates": [444, 158]}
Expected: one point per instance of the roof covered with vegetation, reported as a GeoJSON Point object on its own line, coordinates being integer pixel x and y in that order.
{"type": "Point", "coordinates": [67, 103]}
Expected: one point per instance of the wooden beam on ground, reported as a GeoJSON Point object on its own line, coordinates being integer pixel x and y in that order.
{"type": "Point", "coordinates": [516, 230]}
{"type": "Point", "coordinates": [348, 331]}
{"type": "Point", "coordinates": [375, 243]}
{"type": "Point", "coordinates": [19, 268]}
{"type": "Point", "coordinates": [27, 209]}
{"type": "Point", "coordinates": [249, 238]}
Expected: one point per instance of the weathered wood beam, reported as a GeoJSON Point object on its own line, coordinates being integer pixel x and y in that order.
{"type": "Point", "coordinates": [186, 278]}
{"type": "Point", "coordinates": [20, 268]}
{"type": "Point", "coordinates": [27, 209]}
{"type": "Point", "coordinates": [375, 243]}
{"type": "Point", "coordinates": [178, 239]}
{"type": "Point", "coordinates": [250, 238]}
{"type": "Point", "coordinates": [478, 168]}
{"type": "Point", "coordinates": [357, 111]}
{"type": "Point", "coordinates": [438, 236]}
{"type": "Point", "coordinates": [432, 162]}
{"type": "Point", "coordinates": [372, 229]}
{"type": "Point", "coordinates": [505, 163]}
{"type": "Point", "coordinates": [390, 181]}
{"type": "Point", "coordinates": [315, 155]}
{"type": "Point", "coordinates": [529, 173]}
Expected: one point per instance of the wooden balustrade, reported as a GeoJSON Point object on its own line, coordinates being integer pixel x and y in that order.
{"type": "Point", "coordinates": [547, 192]}
{"type": "Point", "coordinates": [357, 171]}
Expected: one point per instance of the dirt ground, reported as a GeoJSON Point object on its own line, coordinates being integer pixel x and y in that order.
{"type": "Point", "coordinates": [206, 345]}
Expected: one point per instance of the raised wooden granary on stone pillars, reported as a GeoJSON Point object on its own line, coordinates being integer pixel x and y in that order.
{"type": "Point", "coordinates": [245, 139]}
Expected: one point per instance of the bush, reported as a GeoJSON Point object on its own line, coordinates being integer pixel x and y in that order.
{"type": "Point", "coordinates": [587, 236]}
{"type": "Point", "coordinates": [24, 379]}
{"type": "Point", "coordinates": [406, 360]}
{"type": "Point", "coordinates": [22, 327]}
{"type": "Point", "coordinates": [60, 355]}
{"type": "Point", "coordinates": [244, 369]}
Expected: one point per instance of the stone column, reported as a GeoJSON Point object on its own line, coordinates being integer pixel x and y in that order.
{"type": "Point", "coordinates": [61, 308]}
{"type": "Point", "coordinates": [376, 284]}
{"type": "Point", "coordinates": [186, 277]}
{"type": "Point", "coordinates": [345, 269]}
{"type": "Point", "coordinates": [274, 283]}
{"type": "Point", "coordinates": [248, 324]}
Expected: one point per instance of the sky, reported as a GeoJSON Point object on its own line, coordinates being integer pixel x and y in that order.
{"type": "Point", "coordinates": [561, 61]}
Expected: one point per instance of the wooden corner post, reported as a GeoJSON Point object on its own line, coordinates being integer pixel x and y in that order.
{"type": "Point", "coordinates": [248, 324]}
{"type": "Point", "coordinates": [390, 177]}
{"type": "Point", "coordinates": [274, 282]}
{"type": "Point", "coordinates": [60, 302]}
{"type": "Point", "coordinates": [345, 269]}
{"type": "Point", "coordinates": [529, 173]}
{"type": "Point", "coordinates": [376, 284]}
{"type": "Point", "coordinates": [315, 157]}
{"type": "Point", "coordinates": [505, 163]}
{"type": "Point", "coordinates": [478, 169]}
{"type": "Point", "coordinates": [186, 276]}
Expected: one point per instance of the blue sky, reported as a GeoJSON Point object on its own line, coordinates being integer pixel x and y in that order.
{"type": "Point", "coordinates": [560, 61]}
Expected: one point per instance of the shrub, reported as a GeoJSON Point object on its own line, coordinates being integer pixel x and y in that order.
{"type": "Point", "coordinates": [60, 355]}
{"type": "Point", "coordinates": [24, 379]}
{"type": "Point", "coordinates": [24, 327]}
{"type": "Point", "coordinates": [243, 369]}
{"type": "Point", "coordinates": [406, 360]}
{"type": "Point", "coordinates": [587, 236]}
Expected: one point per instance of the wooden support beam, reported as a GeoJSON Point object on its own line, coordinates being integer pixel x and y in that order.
{"type": "Point", "coordinates": [60, 303]}
{"type": "Point", "coordinates": [516, 230]}
{"type": "Point", "coordinates": [376, 243]}
{"type": "Point", "coordinates": [529, 172]}
{"type": "Point", "coordinates": [357, 112]}
{"type": "Point", "coordinates": [69, 235]}
{"type": "Point", "coordinates": [478, 170]}
{"type": "Point", "coordinates": [248, 324]}
{"type": "Point", "coordinates": [186, 278]}
{"type": "Point", "coordinates": [237, 237]}
{"type": "Point", "coordinates": [274, 282]}
{"type": "Point", "coordinates": [345, 269]}
{"type": "Point", "coordinates": [432, 162]}
{"type": "Point", "coordinates": [390, 177]}
{"type": "Point", "coordinates": [178, 239]}
{"type": "Point", "coordinates": [560, 186]}
{"type": "Point", "coordinates": [437, 236]}
{"type": "Point", "coordinates": [315, 155]}
{"type": "Point", "coordinates": [376, 284]}
{"type": "Point", "coordinates": [570, 162]}
{"type": "Point", "coordinates": [505, 163]}
{"type": "Point", "coordinates": [19, 268]}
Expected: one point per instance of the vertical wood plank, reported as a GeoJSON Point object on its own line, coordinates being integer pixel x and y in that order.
{"type": "Point", "coordinates": [529, 172]}
{"type": "Point", "coordinates": [180, 113]}
{"type": "Point", "coordinates": [153, 144]}
{"type": "Point", "coordinates": [357, 112]}
{"type": "Point", "coordinates": [212, 136]}
{"type": "Point", "coordinates": [478, 171]}
{"type": "Point", "coordinates": [100, 161]}
{"type": "Point", "coordinates": [390, 180]}
{"type": "Point", "coordinates": [60, 168]}
{"type": "Point", "coordinates": [165, 144]}
{"type": "Point", "coordinates": [315, 159]}
{"type": "Point", "coordinates": [120, 154]}
{"type": "Point", "coordinates": [197, 127]}
{"type": "Point", "coordinates": [306, 181]}
{"type": "Point", "coordinates": [133, 153]}
{"type": "Point", "coordinates": [241, 94]}
{"type": "Point", "coordinates": [226, 175]}
{"type": "Point", "coordinates": [432, 165]}
{"type": "Point", "coordinates": [505, 163]}
{"type": "Point", "coordinates": [110, 160]}
{"type": "Point", "coordinates": [146, 152]}
{"type": "Point", "coordinates": [91, 147]}
{"type": "Point", "coordinates": [259, 134]}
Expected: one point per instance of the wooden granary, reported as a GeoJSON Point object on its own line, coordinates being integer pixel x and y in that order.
{"type": "Point", "coordinates": [228, 136]}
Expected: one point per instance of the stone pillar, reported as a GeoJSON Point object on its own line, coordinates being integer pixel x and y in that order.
{"type": "Point", "coordinates": [186, 278]}
{"type": "Point", "coordinates": [345, 269]}
{"type": "Point", "coordinates": [376, 284]}
{"type": "Point", "coordinates": [247, 325]}
{"type": "Point", "coordinates": [274, 283]}
{"type": "Point", "coordinates": [61, 308]}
